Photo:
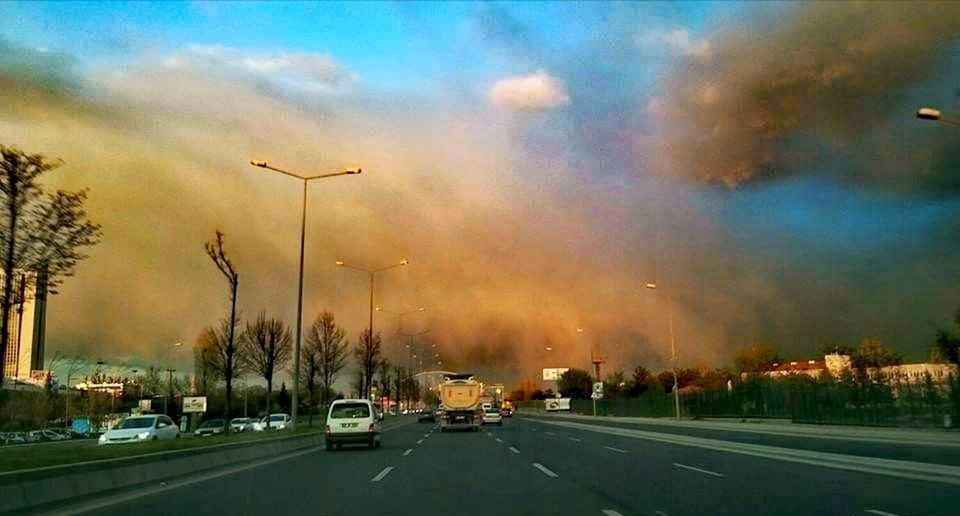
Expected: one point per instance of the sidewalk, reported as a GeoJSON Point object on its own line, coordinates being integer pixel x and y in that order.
{"type": "Point", "coordinates": [913, 436]}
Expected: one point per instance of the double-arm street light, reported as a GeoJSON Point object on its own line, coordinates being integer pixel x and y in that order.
{"type": "Point", "coordinates": [929, 113]}
{"type": "Point", "coordinates": [373, 274]}
{"type": "Point", "coordinates": [303, 230]}
{"type": "Point", "coordinates": [673, 354]}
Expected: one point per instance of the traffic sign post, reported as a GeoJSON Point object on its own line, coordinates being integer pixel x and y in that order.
{"type": "Point", "coordinates": [597, 394]}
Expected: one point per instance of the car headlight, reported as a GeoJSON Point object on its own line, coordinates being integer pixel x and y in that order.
{"type": "Point", "coordinates": [103, 438]}
{"type": "Point", "coordinates": [143, 435]}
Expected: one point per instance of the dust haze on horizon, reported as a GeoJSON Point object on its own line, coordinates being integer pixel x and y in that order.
{"type": "Point", "coordinates": [825, 228]}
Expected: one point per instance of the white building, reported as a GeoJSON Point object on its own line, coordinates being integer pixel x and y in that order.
{"type": "Point", "coordinates": [23, 357]}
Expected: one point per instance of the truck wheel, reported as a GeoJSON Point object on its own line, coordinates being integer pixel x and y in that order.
{"type": "Point", "coordinates": [372, 443]}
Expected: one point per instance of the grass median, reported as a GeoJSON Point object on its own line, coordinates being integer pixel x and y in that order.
{"type": "Point", "coordinates": [22, 457]}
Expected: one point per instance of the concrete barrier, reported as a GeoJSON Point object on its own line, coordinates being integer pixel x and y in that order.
{"type": "Point", "coordinates": [76, 481]}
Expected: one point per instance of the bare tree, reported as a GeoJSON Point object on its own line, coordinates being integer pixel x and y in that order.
{"type": "Point", "coordinates": [221, 359]}
{"type": "Point", "coordinates": [41, 235]}
{"type": "Point", "coordinates": [215, 251]}
{"type": "Point", "coordinates": [327, 338]}
{"type": "Point", "coordinates": [309, 370]}
{"type": "Point", "coordinates": [267, 346]}
{"type": "Point", "coordinates": [368, 356]}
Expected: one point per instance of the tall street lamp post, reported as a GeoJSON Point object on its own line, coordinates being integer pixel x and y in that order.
{"type": "Point", "coordinates": [929, 113]}
{"type": "Point", "coordinates": [373, 274]}
{"type": "Point", "coordinates": [673, 354]}
{"type": "Point", "coordinates": [303, 229]}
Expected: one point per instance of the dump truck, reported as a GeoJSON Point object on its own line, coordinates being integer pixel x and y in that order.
{"type": "Point", "coordinates": [460, 402]}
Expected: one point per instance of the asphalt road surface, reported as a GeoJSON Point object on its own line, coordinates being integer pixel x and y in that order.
{"type": "Point", "coordinates": [528, 467]}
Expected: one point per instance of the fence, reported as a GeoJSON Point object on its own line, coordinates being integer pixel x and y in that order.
{"type": "Point", "coordinates": [864, 401]}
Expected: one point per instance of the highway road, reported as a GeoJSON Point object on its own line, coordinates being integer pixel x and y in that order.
{"type": "Point", "coordinates": [534, 466]}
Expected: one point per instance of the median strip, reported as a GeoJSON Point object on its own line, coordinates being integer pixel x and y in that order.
{"type": "Point", "coordinates": [704, 471]}
{"type": "Point", "coordinates": [546, 471]}
{"type": "Point", "coordinates": [380, 476]}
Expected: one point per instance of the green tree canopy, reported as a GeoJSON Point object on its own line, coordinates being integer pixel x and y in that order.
{"type": "Point", "coordinates": [756, 358]}
{"type": "Point", "coordinates": [575, 383]}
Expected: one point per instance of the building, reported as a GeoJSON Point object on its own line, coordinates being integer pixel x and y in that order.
{"type": "Point", "coordinates": [835, 364]}
{"type": "Point", "coordinates": [23, 358]}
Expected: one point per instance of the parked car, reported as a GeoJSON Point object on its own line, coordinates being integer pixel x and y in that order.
{"type": "Point", "coordinates": [141, 428]}
{"type": "Point", "coordinates": [277, 422]}
{"type": "Point", "coordinates": [211, 427]}
{"type": "Point", "coordinates": [241, 424]}
{"type": "Point", "coordinates": [355, 421]}
{"type": "Point", "coordinates": [50, 434]}
{"type": "Point", "coordinates": [426, 415]}
{"type": "Point", "coordinates": [491, 416]}
{"type": "Point", "coordinates": [506, 412]}
{"type": "Point", "coordinates": [15, 438]}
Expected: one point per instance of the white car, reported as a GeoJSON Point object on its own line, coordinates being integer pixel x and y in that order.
{"type": "Point", "coordinates": [277, 422]}
{"type": "Point", "coordinates": [241, 424]}
{"type": "Point", "coordinates": [354, 421]}
{"type": "Point", "coordinates": [136, 429]}
{"type": "Point", "coordinates": [491, 416]}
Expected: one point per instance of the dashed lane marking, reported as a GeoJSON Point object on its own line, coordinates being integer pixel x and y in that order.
{"type": "Point", "coordinates": [545, 470]}
{"type": "Point", "coordinates": [704, 471]}
{"type": "Point", "coordinates": [386, 471]}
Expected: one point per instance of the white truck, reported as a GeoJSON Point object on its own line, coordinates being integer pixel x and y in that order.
{"type": "Point", "coordinates": [556, 404]}
{"type": "Point", "coordinates": [460, 402]}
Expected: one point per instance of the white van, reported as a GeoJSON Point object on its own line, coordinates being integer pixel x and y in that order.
{"type": "Point", "coordinates": [353, 422]}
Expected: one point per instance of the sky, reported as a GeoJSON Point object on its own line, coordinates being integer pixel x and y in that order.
{"type": "Point", "coordinates": [537, 163]}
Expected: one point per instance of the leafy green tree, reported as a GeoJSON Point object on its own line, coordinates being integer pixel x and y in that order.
{"type": "Point", "coordinates": [948, 346]}
{"type": "Point", "coordinates": [872, 353]}
{"type": "Point", "coordinates": [615, 385]}
{"type": "Point", "coordinates": [756, 358]}
{"type": "Point", "coordinates": [538, 395]}
{"type": "Point", "coordinates": [665, 379]}
{"type": "Point", "coordinates": [575, 383]}
{"type": "Point", "coordinates": [641, 379]}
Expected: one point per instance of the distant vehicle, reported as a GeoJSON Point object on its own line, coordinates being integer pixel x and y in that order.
{"type": "Point", "coordinates": [556, 404]}
{"type": "Point", "coordinates": [460, 398]}
{"type": "Point", "coordinates": [35, 436]}
{"type": "Point", "coordinates": [426, 415]}
{"type": "Point", "coordinates": [241, 424]}
{"type": "Point", "coordinates": [277, 422]}
{"type": "Point", "coordinates": [80, 428]}
{"type": "Point", "coordinates": [352, 421]}
{"type": "Point", "coordinates": [13, 438]}
{"type": "Point", "coordinates": [50, 434]}
{"type": "Point", "coordinates": [506, 412]}
{"type": "Point", "coordinates": [211, 427]}
{"type": "Point", "coordinates": [491, 416]}
{"type": "Point", "coordinates": [141, 428]}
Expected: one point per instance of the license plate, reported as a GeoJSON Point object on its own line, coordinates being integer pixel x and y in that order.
{"type": "Point", "coordinates": [348, 425]}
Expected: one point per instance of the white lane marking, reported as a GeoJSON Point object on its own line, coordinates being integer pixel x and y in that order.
{"type": "Point", "coordinates": [573, 439]}
{"type": "Point", "coordinates": [546, 471]}
{"type": "Point", "coordinates": [880, 513]}
{"type": "Point", "coordinates": [426, 435]}
{"type": "Point", "coordinates": [499, 440]}
{"type": "Point", "coordinates": [618, 450]}
{"type": "Point", "coordinates": [407, 452]}
{"type": "Point", "coordinates": [514, 450]}
{"type": "Point", "coordinates": [386, 471]}
{"type": "Point", "coordinates": [704, 471]}
{"type": "Point", "coordinates": [420, 441]}
{"type": "Point", "coordinates": [168, 486]}
{"type": "Point", "coordinates": [661, 513]}
{"type": "Point", "coordinates": [610, 512]}
{"type": "Point", "coordinates": [550, 433]}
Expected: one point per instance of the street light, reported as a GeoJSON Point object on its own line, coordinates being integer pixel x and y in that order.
{"type": "Point", "coordinates": [929, 113]}
{"type": "Point", "coordinates": [373, 274]}
{"type": "Point", "coordinates": [303, 229]}
{"type": "Point", "coordinates": [673, 353]}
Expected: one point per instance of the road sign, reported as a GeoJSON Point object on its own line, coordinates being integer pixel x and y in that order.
{"type": "Point", "coordinates": [598, 388]}
{"type": "Point", "coordinates": [194, 404]}
{"type": "Point", "coordinates": [597, 395]}
{"type": "Point", "coordinates": [553, 373]}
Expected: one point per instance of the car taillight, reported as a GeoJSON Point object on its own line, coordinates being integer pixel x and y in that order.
{"type": "Point", "coordinates": [370, 428]}
{"type": "Point", "coordinates": [326, 430]}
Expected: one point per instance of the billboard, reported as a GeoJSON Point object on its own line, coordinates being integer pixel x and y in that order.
{"type": "Point", "coordinates": [553, 373]}
{"type": "Point", "coordinates": [194, 404]}
{"type": "Point", "coordinates": [145, 406]}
